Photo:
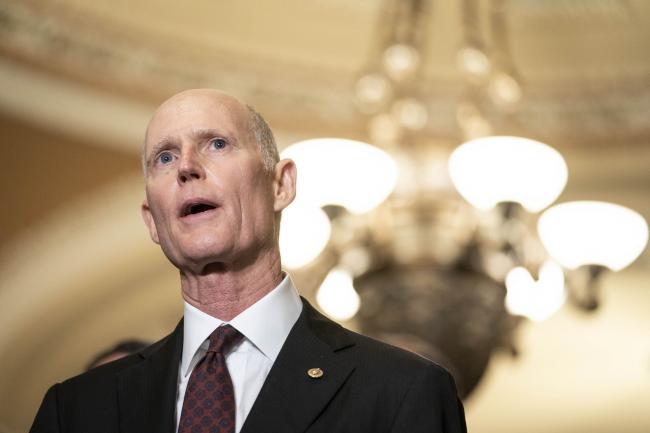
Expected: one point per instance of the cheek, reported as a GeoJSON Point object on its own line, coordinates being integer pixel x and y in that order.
{"type": "Point", "coordinates": [154, 205]}
{"type": "Point", "coordinates": [158, 211]}
{"type": "Point", "coordinates": [260, 195]}
{"type": "Point", "coordinates": [262, 205]}
{"type": "Point", "coordinates": [255, 203]}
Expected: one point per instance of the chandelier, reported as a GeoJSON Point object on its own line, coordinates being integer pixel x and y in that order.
{"type": "Point", "coordinates": [445, 254]}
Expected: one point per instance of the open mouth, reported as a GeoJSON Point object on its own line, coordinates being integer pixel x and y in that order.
{"type": "Point", "coordinates": [197, 208]}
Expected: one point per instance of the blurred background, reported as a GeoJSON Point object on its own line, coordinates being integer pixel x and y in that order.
{"type": "Point", "coordinates": [497, 258]}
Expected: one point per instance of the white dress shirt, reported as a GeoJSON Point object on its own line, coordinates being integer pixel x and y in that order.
{"type": "Point", "coordinates": [265, 326]}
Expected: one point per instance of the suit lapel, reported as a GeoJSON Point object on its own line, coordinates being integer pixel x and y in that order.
{"type": "Point", "coordinates": [147, 390]}
{"type": "Point", "coordinates": [290, 399]}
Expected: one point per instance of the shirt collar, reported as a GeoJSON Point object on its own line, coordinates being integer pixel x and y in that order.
{"type": "Point", "coordinates": [266, 323]}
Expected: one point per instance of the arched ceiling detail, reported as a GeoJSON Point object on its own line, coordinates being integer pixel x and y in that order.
{"type": "Point", "coordinates": [583, 64]}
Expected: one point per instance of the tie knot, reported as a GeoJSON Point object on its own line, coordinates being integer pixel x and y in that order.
{"type": "Point", "coordinates": [223, 339]}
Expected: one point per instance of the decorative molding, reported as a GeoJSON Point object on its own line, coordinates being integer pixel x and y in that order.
{"type": "Point", "coordinates": [613, 104]}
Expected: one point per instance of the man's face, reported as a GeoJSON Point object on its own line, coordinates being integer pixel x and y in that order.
{"type": "Point", "coordinates": [208, 196]}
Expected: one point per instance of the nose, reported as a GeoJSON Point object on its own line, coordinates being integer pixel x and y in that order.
{"type": "Point", "coordinates": [190, 168]}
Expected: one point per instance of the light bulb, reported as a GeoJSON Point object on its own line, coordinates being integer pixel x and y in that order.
{"type": "Point", "coordinates": [372, 90]}
{"type": "Point", "coordinates": [473, 62]}
{"type": "Point", "coordinates": [401, 61]}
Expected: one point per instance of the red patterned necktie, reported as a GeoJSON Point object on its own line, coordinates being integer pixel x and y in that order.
{"type": "Point", "coordinates": [209, 404]}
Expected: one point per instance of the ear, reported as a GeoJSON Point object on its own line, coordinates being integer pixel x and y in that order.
{"type": "Point", "coordinates": [148, 220]}
{"type": "Point", "coordinates": [284, 184]}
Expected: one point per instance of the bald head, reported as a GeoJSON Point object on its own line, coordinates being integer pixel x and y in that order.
{"type": "Point", "coordinates": [247, 118]}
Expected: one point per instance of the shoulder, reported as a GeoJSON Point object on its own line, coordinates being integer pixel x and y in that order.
{"type": "Point", "coordinates": [386, 359]}
{"type": "Point", "coordinates": [372, 357]}
{"type": "Point", "coordinates": [101, 380]}
{"type": "Point", "coordinates": [419, 394]}
{"type": "Point", "coordinates": [70, 404]}
{"type": "Point", "coordinates": [97, 384]}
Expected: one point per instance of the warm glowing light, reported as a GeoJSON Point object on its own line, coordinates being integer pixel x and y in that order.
{"type": "Point", "coordinates": [491, 170]}
{"type": "Point", "coordinates": [343, 172]}
{"type": "Point", "coordinates": [401, 61]}
{"type": "Point", "coordinates": [372, 90]}
{"type": "Point", "coordinates": [593, 233]}
{"type": "Point", "coordinates": [473, 62]}
{"type": "Point", "coordinates": [537, 300]}
{"type": "Point", "coordinates": [471, 121]}
{"type": "Point", "coordinates": [504, 89]}
{"type": "Point", "coordinates": [337, 297]}
{"type": "Point", "coordinates": [383, 129]}
{"type": "Point", "coordinates": [304, 232]}
{"type": "Point", "coordinates": [411, 113]}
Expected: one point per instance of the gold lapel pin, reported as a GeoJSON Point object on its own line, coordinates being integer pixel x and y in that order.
{"type": "Point", "coordinates": [315, 373]}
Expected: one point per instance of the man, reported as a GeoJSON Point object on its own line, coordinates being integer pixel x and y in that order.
{"type": "Point", "coordinates": [119, 350]}
{"type": "Point", "coordinates": [249, 356]}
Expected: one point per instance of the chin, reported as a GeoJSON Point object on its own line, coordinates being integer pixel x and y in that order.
{"type": "Point", "coordinates": [198, 258]}
{"type": "Point", "coordinates": [195, 255]}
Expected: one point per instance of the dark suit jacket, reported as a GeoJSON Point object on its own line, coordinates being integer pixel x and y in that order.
{"type": "Point", "coordinates": [367, 386]}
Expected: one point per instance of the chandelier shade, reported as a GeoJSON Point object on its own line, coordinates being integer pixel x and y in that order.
{"type": "Point", "coordinates": [593, 233]}
{"type": "Point", "coordinates": [491, 170]}
{"type": "Point", "coordinates": [337, 295]}
{"type": "Point", "coordinates": [535, 299]}
{"type": "Point", "coordinates": [304, 233]}
{"type": "Point", "coordinates": [348, 173]}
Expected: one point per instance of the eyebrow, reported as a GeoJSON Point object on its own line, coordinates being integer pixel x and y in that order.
{"type": "Point", "coordinates": [164, 143]}
{"type": "Point", "coordinates": [199, 133]}
{"type": "Point", "coordinates": [209, 133]}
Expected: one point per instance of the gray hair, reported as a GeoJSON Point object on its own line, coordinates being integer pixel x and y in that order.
{"type": "Point", "coordinates": [264, 138]}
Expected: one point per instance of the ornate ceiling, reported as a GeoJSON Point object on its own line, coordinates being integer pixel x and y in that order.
{"type": "Point", "coordinates": [583, 63]}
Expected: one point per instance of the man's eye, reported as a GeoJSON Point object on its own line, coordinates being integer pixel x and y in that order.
{"type": "Point", "coordinates": [218, 143]}
{"type": "Point", "coordinates": [165, 158]}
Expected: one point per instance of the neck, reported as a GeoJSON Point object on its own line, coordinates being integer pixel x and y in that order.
{"type": "Point", "coordinates": [224, 290]}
